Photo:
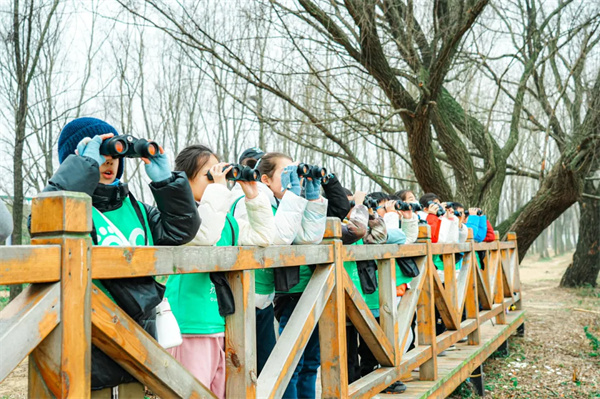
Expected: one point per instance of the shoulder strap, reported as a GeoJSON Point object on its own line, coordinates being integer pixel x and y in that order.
{"type": "Point", "coordinates": [138, 212]}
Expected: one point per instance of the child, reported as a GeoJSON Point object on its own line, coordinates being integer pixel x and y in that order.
{"type": "Point", "coordinates": [300, 221]}
{"type": "Point", "coordinates": [121, 220]}
{"type": "Point", "coordinates": [194, 298]}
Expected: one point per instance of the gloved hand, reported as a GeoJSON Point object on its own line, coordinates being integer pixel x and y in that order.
{"type": "Point", "coordinates": [90, 148]}
{"type": "Point", "coordinates": [290, 180]}
{"type": "Point", "coordinates": [158, 168]}
{"type": "Point", "coordinates": [313, 189]}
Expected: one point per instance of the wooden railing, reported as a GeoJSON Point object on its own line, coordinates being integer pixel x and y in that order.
{"type": "Point", "coordinates": [57, 318]}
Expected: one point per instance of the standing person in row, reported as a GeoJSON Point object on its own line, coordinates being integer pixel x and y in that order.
{"type": "Point", "coordinates": [298, 220]}
{"type": "Point", "coordinates": [119, 219]}
{"type": "Point", "coordinates": [200, 301]}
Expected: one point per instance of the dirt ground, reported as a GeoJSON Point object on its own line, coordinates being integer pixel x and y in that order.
{"type": "Point", "coordinates": [555, 359]}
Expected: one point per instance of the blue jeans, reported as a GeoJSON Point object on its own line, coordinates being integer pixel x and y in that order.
{"type": "Point", "coordinates": [304, 380]}
{"type": "Point", "coordinates": [265, 336]}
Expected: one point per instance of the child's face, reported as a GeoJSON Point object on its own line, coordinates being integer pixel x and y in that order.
{"type": "Point", "coordinates": [200, 182]}
{"type": "Point", "coordinates": [274, 182]}
{"type": "Point", "coordinates": [410, 198]}
{"type": "Point", "coordinates": [108, 170]}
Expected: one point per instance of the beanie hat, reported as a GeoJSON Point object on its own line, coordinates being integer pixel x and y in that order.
{"type": "Point", "coordinates": [77, 130]}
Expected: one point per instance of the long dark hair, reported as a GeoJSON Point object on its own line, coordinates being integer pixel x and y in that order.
{"type": "Point", "coordinates": [192, 158]}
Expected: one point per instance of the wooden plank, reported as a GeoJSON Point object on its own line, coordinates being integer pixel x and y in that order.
{"type": "Point", "coordinates": [471, 303]}
{"type": "Point", "coordinates": [114, 262]}
{"type": "Point", "coordinates": [121, 338]}
{"type": "Point", "coordinates": [382, 251]}
{"type": "Point", "coordinates": [388, 313]}
{"type": "Point", "coordinates": [507, 245]}
{"type": "Point", "coordinates": [278, 370]}
{"type": "Point", "coordinates": [361, 317]}
{"type": "Point", "coordinates": [459, 365]}
{"type": "Point", "coordinates": [332, 335]}
{"type": "Point", "coordinates": [25, 322]}
{"type": "Point", "coordinates": [450, 279]}
{"type": "Point", "coordinates": [373, 383]}
{"type": "Point", "coordinates": [408, 305]}
{"type": "Point", "coordinates": [449, 338]}
{"type": "Point", "coordinates": [333, 228]}
{"type": "Point", "coordinates": [482, 291]}
{"type": "Point", "coordinates": [488, 314]}
{"type": "Point", "coordinates": [240, 337]}
{"type": "Point", "coordinates": [443, 304]}
{"type": "Point", "coordinates": [426, 316]}
{"type": "Point", "coordinates": [64, 218]}
{"type": "Point", "coordinates": [439, 249]}
{"type": "Point", "coordinates": [485, 246]}
{"type": "Point", "coordinates": [462, 282]}
{"type": "Point", "coordinates": [60, 212]}
{"type": "Point", "coordinates": [29, 264]}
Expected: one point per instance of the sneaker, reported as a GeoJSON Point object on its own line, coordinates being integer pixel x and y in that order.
{"type": "Point", "coordinates": [396, 387]}
{"type": "Point", "coordinates": [442, 354]}
{"type": "Point", "coordinates": [451, 348]}
{"type": "Point", "coordinates": [465, 339]}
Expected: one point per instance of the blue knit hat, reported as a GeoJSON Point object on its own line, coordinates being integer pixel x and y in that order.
{"type": "Point", "coordinates": [77, 130]}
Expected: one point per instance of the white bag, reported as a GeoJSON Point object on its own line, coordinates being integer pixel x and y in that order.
{"type": "Point", "coordinates": [168, 333]}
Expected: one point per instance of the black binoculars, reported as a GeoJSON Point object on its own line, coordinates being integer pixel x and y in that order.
{"type": "Point", "coordinates": [440, 212]}
{"type": "Point", "coordinates": [312, 171]}
{"type": "Point", "coordinates": [479, 212]}
{"type": "Point", "coordinates": [238, 173]}
{"type": "Point", "coordinates": [352, 204]}
{"type": "Point", "coordinates": [370, 202]}
{"type": "Point", "coordinates": [406, 206]}
{"type": "Point", "coordinates": [129, 147]}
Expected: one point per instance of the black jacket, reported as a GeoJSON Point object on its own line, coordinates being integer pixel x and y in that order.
{"type": "Point", "coordinates": [337, 202]}
{"type": "Point", "coordinates": [174, 220]}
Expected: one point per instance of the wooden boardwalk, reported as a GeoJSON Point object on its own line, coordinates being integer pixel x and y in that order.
{"type": "Point", "coordinates": [57, 318]}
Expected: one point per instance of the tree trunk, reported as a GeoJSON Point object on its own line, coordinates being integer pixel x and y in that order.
{"type": "Point", "coordinates": [586, 260]}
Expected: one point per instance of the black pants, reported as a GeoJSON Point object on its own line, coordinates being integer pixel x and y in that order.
{"type": "Point", "coordinates": [352, 351]}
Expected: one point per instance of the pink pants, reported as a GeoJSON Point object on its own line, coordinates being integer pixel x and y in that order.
{"type": "Point", "coordinates": [204, 357]}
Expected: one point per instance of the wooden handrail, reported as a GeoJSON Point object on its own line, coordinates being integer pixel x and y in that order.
{"type": "Point", "coordinates": [56, 320]}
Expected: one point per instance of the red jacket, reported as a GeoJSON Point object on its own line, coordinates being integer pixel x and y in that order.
{"type": "Point", "coordinates": [490, 235]}
{"type": "Point", "coordinates": [435, 223]}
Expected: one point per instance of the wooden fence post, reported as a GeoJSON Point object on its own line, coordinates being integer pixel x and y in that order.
{"type": "Point", "coordinates": [426, 311]}
{"type": "Point", "coordinates": [472, 300]}
{"type": "Point", "coordinates": [61, 365]}
{"type": "Point", "coordinates": [240, 337]}
{"type": "Point", "coordinates": [499, 289]}
{"type": "Point", "coordinates": [513, 259]}
{"type": "Point", "coordinates": [332, 324]}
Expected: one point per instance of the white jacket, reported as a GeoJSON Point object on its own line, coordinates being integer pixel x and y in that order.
{"type": "Point", "coordinates": [410, 227]}
{"type": "Point", "coordinates": [255, 227]}
{"type": "Point", "coordinates": [463, 233]}
{"type": "Point", "coordinates": [448, 231]}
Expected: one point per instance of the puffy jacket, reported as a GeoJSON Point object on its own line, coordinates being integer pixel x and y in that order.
{"type": "Point", "coordinates": [6, 223]}
{"type": "Point", "coordinates": [410, 227]}
{"type": "Point", "coordinates": [174, 220]}
{"type": "Point", "coordinates": [338, 205]}
{"type": "Point", "coordinates": [490, 235]}
{"type": "Point", "coordinates": [254, 217]}
{"type": "Point", "coordinates": [355, 227]}
{"type": "Point", "coordinates": [479, 226]}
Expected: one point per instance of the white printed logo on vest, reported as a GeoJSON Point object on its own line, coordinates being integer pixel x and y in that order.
{"type": "Point", "coordinates": [109, 234]}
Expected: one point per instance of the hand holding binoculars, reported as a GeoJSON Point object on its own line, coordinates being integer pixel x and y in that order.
{"type": "Point", "coordinates": [239, 173]}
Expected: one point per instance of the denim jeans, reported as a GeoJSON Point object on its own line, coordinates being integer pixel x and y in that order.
{"type": "Point", "coordinates": [304, 380]}
{"type": "Point", "coordinates": [265, 335]}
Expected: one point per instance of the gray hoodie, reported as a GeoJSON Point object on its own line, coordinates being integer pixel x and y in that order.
{"type": "Point", "coordinates": [6, 223]}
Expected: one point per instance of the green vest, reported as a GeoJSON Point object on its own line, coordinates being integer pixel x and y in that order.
{"type": "Point", "coordinates": [372, 300]}
{"type": "Point", "coordinates": [193, 298]}
{"type": "Point", "coordinates": [120, 227]}
{"type": "Point", "coordinates": [352, 271]}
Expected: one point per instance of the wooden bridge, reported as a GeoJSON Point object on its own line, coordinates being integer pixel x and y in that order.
{"type": "Point", "coordinates": [57, 318]}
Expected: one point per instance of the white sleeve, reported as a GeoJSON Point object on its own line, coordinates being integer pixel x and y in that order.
{"type": "Point", "coordinates": [463, 233]}
{"type": "Point", "coordinates": [391, 220]}
{"type": "Point", "coordinates": [448, 231]}
{"type": "Point", "coordinates": [213, 209]}
{"type": "Point", "coordinates": [410, 227]}
{"type": "Point", "coordinates": [314, 221]}
{"type": "Point", "coordinates": [255, 220]}
{"type": "Point", "coordinates": [288, 218]}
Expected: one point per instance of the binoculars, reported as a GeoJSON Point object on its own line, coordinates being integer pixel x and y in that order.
{"type": "Point", "coordinates": [370, 202]}
{"type": "Point", "coordinates": [129, 147]}
{"type": "Point", "coordinates": [479, 212]}
{"type": "Point", "coordinates": [352, 204]}
{"type": "Point", "coordinates": [440, 212]}
{"type": "Point", "coordinates": [405, 206]}
{"type": "Point", "coordinates": [239, 173]}
{"type": "Point", "coordinates": [312, 171]}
